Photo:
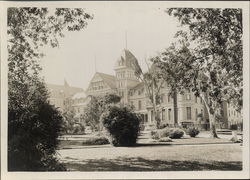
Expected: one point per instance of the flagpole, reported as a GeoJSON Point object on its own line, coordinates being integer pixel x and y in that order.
{"type": "Point", "coordinates": [126, 39]}
{"type": "Point", "coordinates": [95, 62]}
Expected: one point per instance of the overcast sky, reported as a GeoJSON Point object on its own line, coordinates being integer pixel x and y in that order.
{"type": "Point", "coordinates": [149, 30]}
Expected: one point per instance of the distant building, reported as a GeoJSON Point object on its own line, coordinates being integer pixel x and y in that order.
{"type": "Point", "coordinates": [58, 94]}
{"type": "Point", "coordinates": [78, 102]}
{"type": "Point", "coordinates": [231, 118]}
{"type": "Point", "coordinates": [133, 92]}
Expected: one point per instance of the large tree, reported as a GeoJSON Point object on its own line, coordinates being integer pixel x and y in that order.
{"type": "Point", "coordinates": [153, 82]}
{"type": "Point", "coordinates": [213, 57]}
{"type": "Point", "coordinates": [172, 72]}
{"type": "Point", "coordinates": [34, 124]}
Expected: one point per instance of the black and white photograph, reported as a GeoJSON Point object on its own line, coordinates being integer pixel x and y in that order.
{"type": "Point", "coordinates": [140, 88]}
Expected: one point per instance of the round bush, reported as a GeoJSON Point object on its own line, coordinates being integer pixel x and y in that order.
{"type": "Point", "coordinates": [193, 132]}
{"type": "Point", "coordinates": [122, 125]}
{"type": "Point", "coordinates": [176, 133]}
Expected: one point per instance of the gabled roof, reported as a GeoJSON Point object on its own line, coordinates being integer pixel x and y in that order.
{"type": "Point", "coordinates": [106, 78]}
{"type": "Point", "coordinates": [63, 87]}
{"type": "Point", "coordinates": [109, 79]}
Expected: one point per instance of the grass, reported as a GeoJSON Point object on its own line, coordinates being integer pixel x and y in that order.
{"type": "Point", "coordinates": [142, 164]}
{"type": "Point", "coordinates": [154, 158]}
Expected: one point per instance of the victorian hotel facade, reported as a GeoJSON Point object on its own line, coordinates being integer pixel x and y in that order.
{"type": "Point", "coordinates": [133, 92]}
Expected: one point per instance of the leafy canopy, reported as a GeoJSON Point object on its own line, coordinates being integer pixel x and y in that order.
{"type": "Point", "coordinates": [34, 124]}
{"type": "Point", "coordinates": [213, 52]}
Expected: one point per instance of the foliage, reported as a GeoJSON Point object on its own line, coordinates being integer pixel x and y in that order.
{"type": "Point", "coordinates": [192, 131]}
{"type": "Point", "coordinates": [33, 124]}
{"type": "Point", "coordinates": [68, 121]}
{"type": "Point", "coordinates": [174, 133]}
{"type": "Point", "coordinates": [122, 124]}
{"type": "Point", "coordinates": [33, 129]}
{"type": "Point", "coordinates": [208, 56]}
{"type": "Point", "coordinates": [92, 114]}
{"type": "Point", "coordinates": [154, 134]}
{"type": "Point", "coordinates": [99, 140]}
{"type": "Point", "coordinates": [153, 81]}
{"type": "Point", "coordinates": [163, 125]}
{"type": "Point", "coordinates": [218, 35]}
{"type": "Point", "coordinates": [96, 107]}
{"type": "Point", "coordinates": [78, 128]}
{"type": "Point", "coordinates": [165, 139]}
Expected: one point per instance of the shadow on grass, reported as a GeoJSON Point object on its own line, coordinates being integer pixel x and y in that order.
{"type": "Point", "coordinates": [141, 164]}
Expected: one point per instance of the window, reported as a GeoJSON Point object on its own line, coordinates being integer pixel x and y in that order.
{"type": "Point", "coordinates": [196, 99]}
{"type": "Point", "coordinates": [139, 105]}
{"type": "Point", "coordinates": [169, 114]}
{"type": "Point", "coordinates": [189, 113]}
{"type": "Point", "coordinates": [169, 98]}
{"type": "Point", "coordinates": [162, 98]}
{"type": "Point", "coordinates": [121, 93]}
{"type": "Point", "coordinates": [163, 115]}
{"type": "Point", "coordinates": [188, 96]}
{"type": "Point", "coordinates": [146, 118]}
{"type": "Point", "coordinates": [201, 100]}
{"type": "Point", "coordinates": [196, 113]}
{"type": "Point", "coordinates": [131, 93]}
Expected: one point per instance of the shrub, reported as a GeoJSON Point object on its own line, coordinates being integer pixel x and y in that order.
{"type": "Point", "coordinates": [155, 134]}
{"type": "Point", "coordinates": [78, 129]}
{"type": "Point", "coordinates": [122, 125]}
{"type": "Point", "coordinates": [99, 140]}
{"type": "Point", "coordinates": [33, 135]}
{"type": "Point", "coordinates": [165, 139]}
{"type": "Point", "coordinates": [193, 132]}
{"type": "Point", "coordinates": [163, 125]}
{"type": "Point", "coordinates": [176, 133]}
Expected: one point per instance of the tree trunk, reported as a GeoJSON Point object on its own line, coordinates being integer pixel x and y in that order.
{"type": "Point", "coordinates": [212, 125]}
{"type": "Point", "coordinates": [211, 117]}
{"type": "Point", "coordinates": [154, 119]}
{"type": "Point", "coordinates": [175, 109]}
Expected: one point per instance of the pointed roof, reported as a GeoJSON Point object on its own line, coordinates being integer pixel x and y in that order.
{"type": "Point", "coordinates": [66, 83]}
{"type": "Point", "coordinates": [125, 59]}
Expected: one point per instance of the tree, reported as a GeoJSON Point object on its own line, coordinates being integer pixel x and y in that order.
{"type": "Point", "coordinates": [153, 82]}
{"type": "Point", "coordinates": [213, 62]}
{"type": "Point", "coordinates": [168, 63]}
{"type": "Point", "coordinates": [34, 124]}
{"type": "Point", "coordinates": [96, 107]}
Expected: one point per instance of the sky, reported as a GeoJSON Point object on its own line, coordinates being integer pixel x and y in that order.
{"type": "Point", "coordinates": [97, 47]}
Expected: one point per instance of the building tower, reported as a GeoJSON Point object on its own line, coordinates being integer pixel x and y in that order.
{"type": "Point", "coordinates": [125, 75]}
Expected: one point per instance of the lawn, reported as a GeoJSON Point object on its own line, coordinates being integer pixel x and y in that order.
{"type": "Point", "coordinates": [154, 158]}
{"type": "Point", "coordinates": [185, 154]}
